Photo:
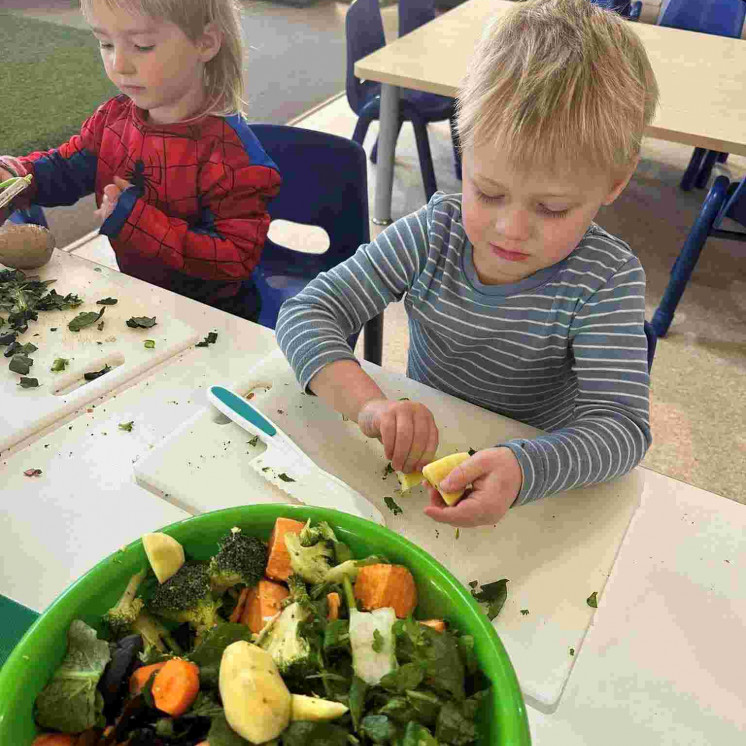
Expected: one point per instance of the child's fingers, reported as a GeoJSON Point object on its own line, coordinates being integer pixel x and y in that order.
{"type": "Point", "coordinates": [121, 184]}
{"type": "Point", "coordinates": [468, 512]}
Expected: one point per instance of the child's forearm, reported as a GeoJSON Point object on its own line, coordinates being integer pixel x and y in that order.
{"type": "Point", "coordinates": [345, 387]}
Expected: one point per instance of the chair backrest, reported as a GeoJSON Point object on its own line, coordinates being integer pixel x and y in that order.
{"type": "Point", "coordinates": [364, 35]}
{"type": "Point", "coordinates": [33, 215]}
{"type": "Point", "coordinates": [719, 17]}
{"type": "Point", "coordinates": [324, 183]}
{"type": "Point", "coordinates": [413, 14]}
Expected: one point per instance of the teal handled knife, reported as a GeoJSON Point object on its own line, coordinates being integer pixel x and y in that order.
{"type": "Point", "coordinates": [285, 465]}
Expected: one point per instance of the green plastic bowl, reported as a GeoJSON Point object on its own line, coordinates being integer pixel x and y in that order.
{"type": "Point", "coordinates": [503, 719]}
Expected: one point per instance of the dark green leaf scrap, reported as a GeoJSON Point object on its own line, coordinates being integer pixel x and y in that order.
{"type": "Point", "coordinates": [392, 506]}
{"type": "Point", "coordinates": [107, 302]}
{"type": "Point", "coordinates": [93, 375]}
{"type": "Point", "coordinates": [592, 600]}
{"type": "Point", "coordinates": [210, 339]}
{"type": "Point", "coordinates": [28, 383]}
{"type": "Point", "coordinates": [21, 364]}
{"type": "Point", "coordinates": [141, 322]}
{"type": "Point", "coordinates": [494, 595]}
{"type": "Point", "coordinates": [84, 319]}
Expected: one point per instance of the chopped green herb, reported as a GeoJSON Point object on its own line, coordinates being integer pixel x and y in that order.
{"type": "Point", "coordinates": [141, 322]}
{"type": "Point", "coordinates": [524, 612]}
{"type": "Point", "coordinates": [107, 302]}
{"type": "Point", "coordinates": [126, 426]}
{"type": "Point", "coordinates": [21, 364]}
{"type": "Point", "coordinates": [59, 364]}
{"type": "Point", "coordinates": [572, 651]}
{"type": "Point", "coordinates": [388, 470]}
{"type": "Point", "coordinates": [149, 344]}
{"type": "Point", "coordinates": [28, 383]}
{"type": "Point", "coordinates": [494, 595]}
{"type": "Point", "coordinates": [392, 506]}
{"type": "Point", "coordinates": [473, 583]}
{"type": "Point", "coordinates": [377, 641]}
{"type": "Point", "coordinates": [458, 533]}
{"type": "Point", "coordinates": [93, 375]}
{"type": "Point", "coordinates": [100, 326]}
{"type": "Point", "coordinates": [471, 451]}
{"type": "Point", "coordinates": [592, 600]}
{"type": "Point", "coordinates": [210, 339]}
{"type": "Point", "coordinates": [84, 319]}
{"type": "Point", "coordinates": [285, 477]}
{"type": "Point", "coordinates": [254, 441]}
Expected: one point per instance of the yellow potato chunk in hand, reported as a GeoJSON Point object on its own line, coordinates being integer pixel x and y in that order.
{"type": "Point", "coordinates": [436, 471]}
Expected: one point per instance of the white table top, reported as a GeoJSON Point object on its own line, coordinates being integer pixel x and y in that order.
{"type": "Point", "coordinates": [701, 77]}
{"type": "Point", "coordinates": [663, 662]}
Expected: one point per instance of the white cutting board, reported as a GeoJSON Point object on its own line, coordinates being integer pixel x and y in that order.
{"type": "Point", "coordinates": [555, 552]}
{"type": "Point", "coordinates": [25, 411]}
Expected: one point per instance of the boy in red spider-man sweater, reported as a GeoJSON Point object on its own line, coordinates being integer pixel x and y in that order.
{"type": "Point", "coordinates": [182, 183]}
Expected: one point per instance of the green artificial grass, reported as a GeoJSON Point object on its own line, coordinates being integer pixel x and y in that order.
{"type": "Point", "coordinates": [51, 80]}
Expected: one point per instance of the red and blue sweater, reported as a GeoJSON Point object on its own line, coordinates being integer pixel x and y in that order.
{"type": "Point", "coordinates": [195, 218]}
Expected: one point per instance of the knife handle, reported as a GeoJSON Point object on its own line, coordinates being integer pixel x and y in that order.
{"type": "Point", "coordinates": [224, 399]}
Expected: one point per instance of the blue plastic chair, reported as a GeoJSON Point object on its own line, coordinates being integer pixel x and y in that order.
{"type": "Point", "coordinates": [725, 199]}
{"type": "Point", "coordinates": [364, 34]}
{"type": "Point", "coordinates": [652, 340]}
{"type": "Point", "coordinates": [625, 8]}
{"type": "Point", "coordinates": [412, 15]}
{"type": "Point", "coordinates": [717, 17]}
{"type": "Point", "coordinates": [324, 183]}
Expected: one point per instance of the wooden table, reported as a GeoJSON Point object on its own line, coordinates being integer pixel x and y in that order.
{"type": "Point", "coordinates": [702, 79]}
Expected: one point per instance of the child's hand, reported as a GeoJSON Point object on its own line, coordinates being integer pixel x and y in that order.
{"type": "Point", "coordinates": [111, 195]}
{"type": "Point", "coordinates": [496, 479]}
{"type": "Point", "coordinates": [406, 429]}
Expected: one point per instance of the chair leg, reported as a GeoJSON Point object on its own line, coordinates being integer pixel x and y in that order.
{"type": "Point", "coordinates": [374, 152]}
{"type": "Point", "coordinates": [687, 180]}
{"type": "Point", "coordinates": [373, 340]}
{"type": "Point", "coordinates": [361, 129]}
{"type": "Point", "coordinates": [425, 156]}
{"type": "Point", "coordinates": [687, 260]}
{"type": "Point", "coordinates": [456, 142]}
{"type": "Point", "coordinates": [722, 157]}
{"type": "Point", "coordinates": [704, 173]}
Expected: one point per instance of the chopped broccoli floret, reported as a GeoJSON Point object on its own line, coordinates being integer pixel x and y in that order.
{"type": "Point", "coordinates": [311, 535]}
{"type": "Point", "coordinates": [187, 597]}
{"type": "Point", "coordinates": [283, 640]}
{"type": "Point", "coordinates": [313, 562]}
{"type": "Point", "coordinates": [129, 615]}
{"type": "Point", "coordinates": [240, 559]}
{"type": "Point", "coordinates": [122, 615]}
{"type": "Point", "coordinates": [350, 569]}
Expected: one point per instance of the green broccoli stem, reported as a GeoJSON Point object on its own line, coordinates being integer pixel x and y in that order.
{"type": "Point", "coordinates": [131, 590]}
{"type": "Point", "coordinates": [349, 594]}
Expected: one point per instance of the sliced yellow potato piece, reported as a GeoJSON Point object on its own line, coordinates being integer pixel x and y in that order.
{"type": "Point", "coordinates": [407, 481]}
{"type": "Point", "coordinates": [165, 554]}
{"type": "Point", "coordinates": [438, 470]}
{"type": "Point", "coordinates": [255, 699]}
{"type": "Point", "coordinates": [315, 708]}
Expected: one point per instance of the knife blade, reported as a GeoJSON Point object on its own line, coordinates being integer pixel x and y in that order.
{"type": "Point", "coordinates": [286, 466]}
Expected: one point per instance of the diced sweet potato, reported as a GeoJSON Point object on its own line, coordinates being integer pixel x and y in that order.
{"type": "Point", "coordinates": [437, 624]}
{"type": "Point", "coordinates": [332, 601]}
{"type": "Point", "coordinates": [278, 564]}
{"type": "Point", "coordinates": [262, 603]}
{"type": "Point", "coordinates": [381, 586]}
{"type": "Point", "coordinates": [237, 612]}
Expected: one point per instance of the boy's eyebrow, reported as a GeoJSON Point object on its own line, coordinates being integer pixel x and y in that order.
{"type": "Point", "coordinates": [132, 32]}
{"type": "Point", "coordinates": [559, 195]}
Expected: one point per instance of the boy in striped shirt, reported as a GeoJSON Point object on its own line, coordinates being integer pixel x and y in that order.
{"type": "Point", "coordinates": [517, 301]}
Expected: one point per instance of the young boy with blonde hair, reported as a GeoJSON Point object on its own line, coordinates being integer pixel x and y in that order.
{"type": "Point", "coordinates": [517, 301]}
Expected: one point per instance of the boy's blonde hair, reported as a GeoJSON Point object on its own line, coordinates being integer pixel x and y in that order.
{"type": "Point", "coordinates": [223, 73]}
{"type": "Point", "coordinates": [559, 82]}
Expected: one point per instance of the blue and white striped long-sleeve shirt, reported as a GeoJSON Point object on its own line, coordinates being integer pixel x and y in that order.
{"type": "Point", "coordinates": [563, 350]}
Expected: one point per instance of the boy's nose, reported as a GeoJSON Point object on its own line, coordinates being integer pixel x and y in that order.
{"type": "Point", "coordinates": [513, 225]}
{"type": "Point", "coordinates": [122, 63]}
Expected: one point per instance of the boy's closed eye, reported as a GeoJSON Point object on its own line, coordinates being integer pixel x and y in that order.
{"type": "Point", "coordinates": [552, 211]}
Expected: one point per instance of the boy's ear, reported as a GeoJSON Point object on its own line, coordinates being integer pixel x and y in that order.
{"type": "Point", "coordinates": [620, 183]}
{"type": "Point", "coordinates": [209, 43]}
